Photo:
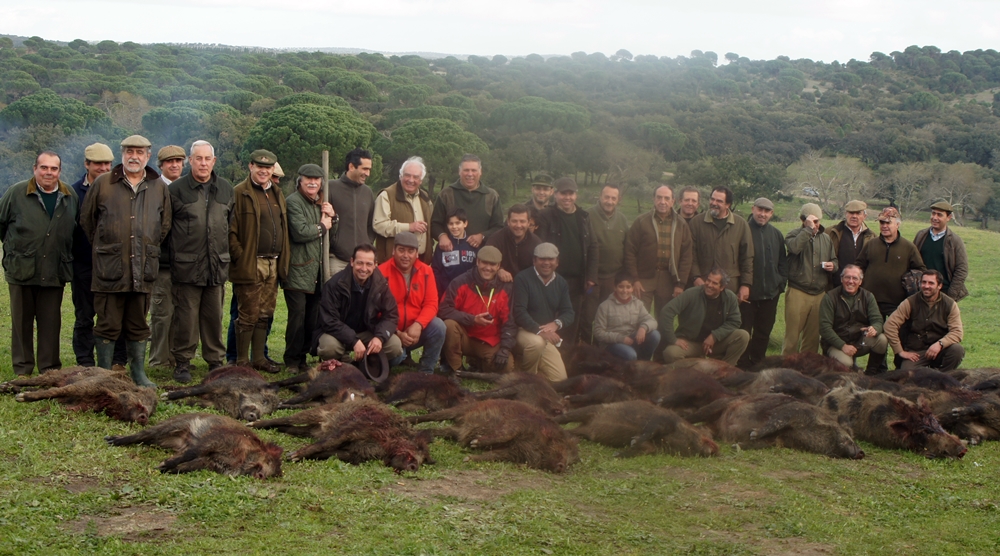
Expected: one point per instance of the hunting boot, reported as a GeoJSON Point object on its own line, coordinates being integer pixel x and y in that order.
{"type": "Point", "coordinates": [105, 352]}
{"type": "Point", "coordinates": [243, 340]}
{"type": "Point", "coordinates": [260, 361]}
{"type": "Point", "coordinates": [876, 364]}
{"type": "Point", "coordinates": [137, 363]}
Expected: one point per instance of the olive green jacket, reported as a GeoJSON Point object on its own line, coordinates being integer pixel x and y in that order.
{"type": "Point", "coordinates": [37, 249]}
{"type": "Point", "coordinates": [306, 238]}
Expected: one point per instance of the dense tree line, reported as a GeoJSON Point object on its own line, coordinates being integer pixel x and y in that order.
{"type": "Point", "coordinates": [907, 123]}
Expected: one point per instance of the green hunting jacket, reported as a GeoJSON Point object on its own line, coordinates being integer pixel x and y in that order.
{"type": "Point", "coordinates": [306, 238]}
{"type": "Point", "coordinates": [37, 249]}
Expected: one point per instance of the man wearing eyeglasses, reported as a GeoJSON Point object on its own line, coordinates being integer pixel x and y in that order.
{"type": "Point", "coordinates": [850, 324]}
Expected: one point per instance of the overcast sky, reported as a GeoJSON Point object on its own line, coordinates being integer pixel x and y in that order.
{"type": "Point", "coordinates": [827, 31]}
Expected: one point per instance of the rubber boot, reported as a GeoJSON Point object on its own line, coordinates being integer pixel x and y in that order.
{"type": "Point", "coordinates": [137, 363]}
{"type": "Point", "coordinates": [243, 340]}
{"type": "Point", "coordinates": [876, 364]}
{"type": "Point", "coordinates": [105, 352]}
{"type": "Point", "coordinates": [260, 361]}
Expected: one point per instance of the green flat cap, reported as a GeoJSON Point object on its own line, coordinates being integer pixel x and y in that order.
{"type": "Point", "coordinates": [98, 152]}
{"type": "Point", "coordinates": [310, 171]}
{"type": "Point", "coordinates": [565, 184]}
{"type": "Point", "coordinates": [136, 141]}
{"type": "Point", "coordinates": [262, 157]}
{"type": "Point", "coordinates": [811, 209]}
{"type": "Point", "coordinates": [943, 205]}
{"type": "Point", "coordinates": [542, 180]}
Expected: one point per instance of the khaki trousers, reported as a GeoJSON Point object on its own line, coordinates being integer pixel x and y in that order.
{"type": "Point", "coordinates": [878, 344]}
{"type": "Point", "coordinates": [336, 265]}
{"type": "Point", "coordinates": [256, 301]}
{"type": "Point", "coordinates": [458, 343]}
{"type": "Point", "coordinates": [801, 321]}
{"type": "Point", "coordinates": [331, 348]}
{"type": "Point", "coordinates": [198, 314]}
{"type": "Point", "coordinates": [728, 350]}
{"type": "Point", "coordinates": [539, 356]}
{"type": "Point", "coordinates": [161, 316]}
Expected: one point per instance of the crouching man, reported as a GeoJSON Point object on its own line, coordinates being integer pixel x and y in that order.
{"type": "Point", "coordinates": [926, 328]}
{"type": "Point", "coordinates": [476, 313]}
{"type": "Point", "coordinates": [357, 311]}
{"type": "Point", "coordinates": [850, 323]}
{"type": "Point", "coordinates": [541, 309]}
{"type": "Point", "coordinates": [709, 322]}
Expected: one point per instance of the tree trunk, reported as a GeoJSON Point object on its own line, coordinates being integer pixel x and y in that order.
{"type": "Point", "coordinates": [430, 185]}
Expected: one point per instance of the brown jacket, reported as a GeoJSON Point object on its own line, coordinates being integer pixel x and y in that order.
{"type": "Point", "coordinates": [125, 230]}
{"type": "Point", "coordinates": [896, 330]}
{"type": "Point", "coordinates": [955, 260]}
{"type": "Point", "coordinates": [244, 230]}
{"type": "Point", "coordinates": [641, 248]}
{"type": "Point", "coordinates": [402, 211]}
{"type": "Point", "coordinates": [730, 249]}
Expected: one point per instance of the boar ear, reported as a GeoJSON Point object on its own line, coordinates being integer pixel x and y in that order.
{"type": "Point", "coordinates": [900, 428]}
{"type": "Point", "coordinates": [924, 404]}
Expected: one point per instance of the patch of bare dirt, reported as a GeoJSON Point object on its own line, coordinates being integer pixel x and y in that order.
{"type": "Point", "coordinates": [132, 523]}
{"type": "Point", "coordinates": [478, 486]}
{"type": "Point", "coordinates": [73, 483]}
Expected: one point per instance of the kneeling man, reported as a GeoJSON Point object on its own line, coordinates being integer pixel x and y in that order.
{"type": "Point", "coordinates": [542, 308]}
{"type": "Point", "coordinates": [926, 328]}
{"type": "Point", "coordinates": [850, 323]}
{"type": "Point", "coordinates": [709, 322]}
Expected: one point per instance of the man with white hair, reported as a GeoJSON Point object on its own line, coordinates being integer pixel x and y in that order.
{"type": "Point", "coordinates": [404, 207]}
{"type": "Point", "coordinates": [126, 217]}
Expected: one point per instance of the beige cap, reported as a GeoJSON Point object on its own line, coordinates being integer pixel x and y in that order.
{"type": "Point", "coordinates": [136, 141]}
{"type": "Point", "coordinates": [278, 171]}
{"type": "Point", "coordinates": [490, 254]}
{"type": "Point", "coordinates": [856, 206]}
{"type": "Point", "coordinates": [546, 251]}
{"type": "Point", "coordinates": [811, 209]}
{"type": "Point", "coordinates": [98, 152]}
{"type": "Point", "coordinates": [170, 152]}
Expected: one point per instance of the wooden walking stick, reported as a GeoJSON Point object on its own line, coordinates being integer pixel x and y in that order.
{"type": "Point", "coordinates": [326, 199]}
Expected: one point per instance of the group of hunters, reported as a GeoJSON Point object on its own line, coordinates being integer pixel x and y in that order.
{"type": "Point", "coordinates": [457, 277]}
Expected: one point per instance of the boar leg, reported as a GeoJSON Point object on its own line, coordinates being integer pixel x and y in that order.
{"type": "Point", "coordinates": [580, 415]}
{"type": "Point", "coordinates": [186, 392]}
{"type": "Point", "coordinates": [773, 426]}
{"type": "Point", "coordinates": [292, 381]}
{"type": "Point", "coordinates": [449, 414]}
{"type": "Point", "coordinates": [450, 433]}
{"type": "Point", "coordinates": [34, 396]}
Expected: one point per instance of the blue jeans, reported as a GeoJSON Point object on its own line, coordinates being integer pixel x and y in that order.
{"type": "Point", "coordinates": [632, 352]}
{"type": "Point", "coordinates": [231, 336]}
{"type": "Point", "coordinates": [432, 340]}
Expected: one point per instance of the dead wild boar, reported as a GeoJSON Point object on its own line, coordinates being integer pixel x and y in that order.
{"type": "Point", "coordinates": [356, 432]}
{"type": "Point", "coordinates": [922, 377]}
{"type": "Point", "coordinates": [212, 442]}
{"type": "Point", "coordinates": [507, 430]}
{"type": "Point", "coordinates": [808, 363]}
{"type": "Point", "coordinates": [712, 367]}
{"type": "Point", "coordinates": [240, 392]}
{"type": "Point", "coordinates": [778, 420]}
{"type": "Point", "coordinates": [415, 391]}
{"type": "Point", "coordinates": [862, 381]}
{"type": "Point", "coordinates": [889, 421]}
{"type": "Point", "coordinates": [684, 390]}
{"type": "Point", "coordinates": [584, 390]}
{"type": "Point", "coordinates": [593, 360]}
{"type": "Point", "coordinates": [777, 381]}
{"type": "Point", "coordinates": [523, 387]}
{"type": "Point", "coordinates": [969, 414]}
{"type": "Point", "coordinates": [641, 428]}
{"type": "Point", "coordinates": [983, 378]}
{"type": "Point", "coordinates": [339, 384]}
{"type": "Point", "coordinates": [90, 389]}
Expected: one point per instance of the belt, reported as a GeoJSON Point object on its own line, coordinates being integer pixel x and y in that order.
{"type": "Point", "coordinates": [268, 256]}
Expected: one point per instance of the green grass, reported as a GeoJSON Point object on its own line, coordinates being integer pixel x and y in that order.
{"type": "Point", "coordinates": [64, 491]}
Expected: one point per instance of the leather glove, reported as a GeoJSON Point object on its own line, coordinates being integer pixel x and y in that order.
{"type": "Point", "coordinates": [500, 359]}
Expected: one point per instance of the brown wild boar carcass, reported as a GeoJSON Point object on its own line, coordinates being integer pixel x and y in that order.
{"type": "Point", "coordinates": [415, 391]}
{"type": "Point", "coordinates": [808, 363]}
{"type": "Point", "coordinates": [240, 392]}
{"type": "Point", "coordinates": [641, 428]}
{"type": "Point", "coordinates": [523, 387]}
{"type": "Point", "coordinates": [90, 389]}
{"type": "Point", "coordinates": [338, 384]}
{"type": "Point", "coordinates": [584, 390]}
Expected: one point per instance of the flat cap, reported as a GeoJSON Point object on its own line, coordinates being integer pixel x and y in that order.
{"type": "Point", "coordinates": [565, 184]}
{"type": "Point", "coordinates": [98, 152]}
{"type": "Point", "coordinates": [490, 254]}
{"type": "Point", "coordinates": [169, 152]}
{"type": "Point", "coordinates": [407, 239]}
{"type": "Point", "coordinates": [811, 209]}
{"type": "Point", "coordinates": [310, 171]}
{"type": "Point", "coordinates": [136, 141]}
{"type": "Point", "coordinates": [542, 180]}
{"type": "Point", "coordinates": [889, 213]}
{"type": "Point", "coordinates": [263, 157]}
{"type": "Point", "coordinates": [856, 206]}
{"type": "Point", "coordinates": [943, 205]}
{"type": "Point", "coordinates": [278, 172]}
{"type": "Point", "coordinates": [546, 251]}
{"type": "Point", "coordinates": [764, 203]}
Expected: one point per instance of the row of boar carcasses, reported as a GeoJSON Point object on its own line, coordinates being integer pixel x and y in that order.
{"type": "Point", "coordinates": [803, 402]}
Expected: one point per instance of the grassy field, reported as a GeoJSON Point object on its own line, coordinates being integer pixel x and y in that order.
{"type": "Point", "coordinates": [64, 491]}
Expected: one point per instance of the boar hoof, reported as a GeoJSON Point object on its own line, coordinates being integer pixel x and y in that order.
{"type": "Point", "coordinates": [753, 434]}
{"type": "Point", "coordinates": [163, 396]}
{"type": "Point", "coordinates": [19, 397]}
{"type": "Point", "coordinates": [474, 442]}
{"type": "Point", "coordinates": [467, 459]}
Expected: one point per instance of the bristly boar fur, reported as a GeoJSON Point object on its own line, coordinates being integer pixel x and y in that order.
{"type": "Point", "coordinates": [240, 392]}
{"type": "Point", "coordinates": [922, 377]}
{"type": "Point", "coordinates": [584, 390]}
{"type": "Point", "coordinates": [415, 391]}
{"type": "Point", "coordinates": [212, 442]}
{"type": "Point", "coordinates": [338, 384]}
{"type": "Point", "coordinates": [889, 421]}
{"type": "Point", "coordinates": [507, 430]}
{"type": "Point", "coordinates": [90, 389]}
{"type": "Point", "coordinates": [778, 420]}
{"type": "Point", "coordinates": [641, 428]}
{"type": "Point", "coordinates": [808, 363]}
{"type": "Point", "coordinates": [777, 381]}
{"type": "Point", "coordinates": [969, 414]}
{"type": "Point", "coordinates": [356, 432]}
{"type": "Point", "coordinates": [523, 387]}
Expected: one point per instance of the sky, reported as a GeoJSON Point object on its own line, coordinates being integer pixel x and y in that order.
{"type": "Point", "coordinates": [762, 29]}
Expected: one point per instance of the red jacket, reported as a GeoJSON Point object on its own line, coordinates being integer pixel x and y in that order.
{"type": "Point", "coordinates": [420, 302]}
{"type": "Point", "coordinates": [462, 302]}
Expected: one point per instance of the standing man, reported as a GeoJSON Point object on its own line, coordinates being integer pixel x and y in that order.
{"type": "Point", "coordinates": [708, 324]}
{"type": "Point", "coordinates": [309, 217]}
{"type": "Point", "coordinates": [202, 205]}
{"type": "Point", "coordinates": [37, 218]}
{"type": "Point", "coordinates": [161, 311]}
{"type": "Point", "coordinates": [481, 205]}
{"type": "Point", "coordinates": [411, 282]}
{"type": "Point", "coordinates": [850, 324]}
{"type": "Point", "coordinates": [354, 209]}
{"type": "Point", "coordinates": [97, 159]}
{"type": "Point", "coordinates": [722, 240]}
{"type": "Point", "coordinates": [610, 227]}
{"type": "Point", "coordinates": [126, 217]}
{"type": "Point", "coordinates": [658, 252]}
{"type": "Point", "coordinates": [690, 199]}
{"type": "Point", "coordinates": [404, 207]}
{"type": "Point", "coordinates": [541, 192]}
{"type": "Point", "coordinates": [810, 263]}
{"type": "Point", "coordinates": [542, 308]}
{"type": "Point", "coordinates": [849, 236]}
{"type": "Point", "coordinates": [770, 274]}
{"type": "Point", "coordinates": [943, 251]}
{"type": "Point", "coordinates": [926, 329]}
{"type": "Point", "coordinates": [568, 227]}
{"type": "Point", "coordinates": [516, 243]}
{"type": "Point", "coordinates": [260, 253]}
